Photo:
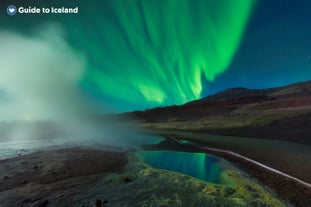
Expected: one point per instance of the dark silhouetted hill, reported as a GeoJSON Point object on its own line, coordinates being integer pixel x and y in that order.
{"type": "Point", "coordinates": [274, 113]}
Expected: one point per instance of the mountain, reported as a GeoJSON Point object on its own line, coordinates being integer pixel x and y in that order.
{"type": "Point", "coordinates": [274, 113]}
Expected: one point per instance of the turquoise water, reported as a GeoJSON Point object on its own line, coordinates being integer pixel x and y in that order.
{"type": "Point", "coordinates": [199, 165]}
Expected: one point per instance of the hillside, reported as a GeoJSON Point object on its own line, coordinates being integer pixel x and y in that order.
{"type": "Point", "coordinates": [276, 113]}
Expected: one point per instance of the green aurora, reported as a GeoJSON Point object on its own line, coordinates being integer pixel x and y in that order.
{"type": "Point", "coordinates": [144, 53]}
{"type": "Point", "coordinates": [149, 52]}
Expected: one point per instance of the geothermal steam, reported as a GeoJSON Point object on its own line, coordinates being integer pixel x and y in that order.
{"type": "Point", "coordinates": [40, 97]}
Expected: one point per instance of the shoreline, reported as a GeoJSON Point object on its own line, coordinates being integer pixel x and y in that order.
{"type": "Point", "coordinates": [83, 176]}
{"type": "Point", "coordinates": [259, 164]}
{"type": "Point", "coordinates": [177, 140]}
{"type": "Point", "coordinates": [287, 187]}
{"type": "Point", "coordinates": [290, 158]}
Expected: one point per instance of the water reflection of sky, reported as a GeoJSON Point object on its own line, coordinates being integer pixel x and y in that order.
{"type": "Point", "coordinates": [199, 165]}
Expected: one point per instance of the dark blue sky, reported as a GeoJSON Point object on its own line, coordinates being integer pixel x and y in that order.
{"type": "Point", "coordinates": [275, 51]}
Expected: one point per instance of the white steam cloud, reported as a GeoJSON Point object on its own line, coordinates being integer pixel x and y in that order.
{"type": "Point", "coordinates": [39, 76]}
{"type": "Point", "coordinates": [40, 97]}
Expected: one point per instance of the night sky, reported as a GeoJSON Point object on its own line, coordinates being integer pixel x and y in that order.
{"type": "Point", "coordinates": [124, 55]}
{"type": "Point", "coordinates": [275, 51]}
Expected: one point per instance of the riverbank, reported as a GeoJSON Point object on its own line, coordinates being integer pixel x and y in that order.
{"type": "Point", "coordinates": [288, 157]}
{"type": "Point", "coordinates": [288, 188]}
{"type": "Point", "coordinates": [103, 176]}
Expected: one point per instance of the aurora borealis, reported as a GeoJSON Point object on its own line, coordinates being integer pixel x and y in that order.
{"type": "Point", "coordinates": [123, 82]}
{"type": "Point", "coordinates": [124, 55]}
{"type": "Point", "coordinates": [157, 52]}
{"type": "Point", "coordinates": [154, 53]}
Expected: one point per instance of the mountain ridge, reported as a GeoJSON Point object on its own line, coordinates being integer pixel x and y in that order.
{"type": "Point", "coordinates": [273, 113]}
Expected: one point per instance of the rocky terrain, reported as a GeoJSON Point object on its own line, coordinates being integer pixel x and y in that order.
{"type": "Point", "coordinates": [82, 176]}
{"type": "Point", "coordinates": [54, 177]}
{"type": "Point", "coordinates": [276, 113]}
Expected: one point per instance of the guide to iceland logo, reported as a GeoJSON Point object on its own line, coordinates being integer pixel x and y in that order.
{"type": "Point", "coordinates": [11, 10]}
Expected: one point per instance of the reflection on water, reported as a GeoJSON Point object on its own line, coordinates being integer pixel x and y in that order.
{"type": "Point", "coordinates": [198, 165]}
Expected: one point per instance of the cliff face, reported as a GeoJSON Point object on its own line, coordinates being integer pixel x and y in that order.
{"type": "Point", "coordinates": [277, 113]}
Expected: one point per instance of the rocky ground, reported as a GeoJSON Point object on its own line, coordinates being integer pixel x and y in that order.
{"type": "Point", "coordinates": [54, 177]}
{"type": "Point", "coordinates": [146, 186]}
{"type": "Point", "coordinates": [81, 176]}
